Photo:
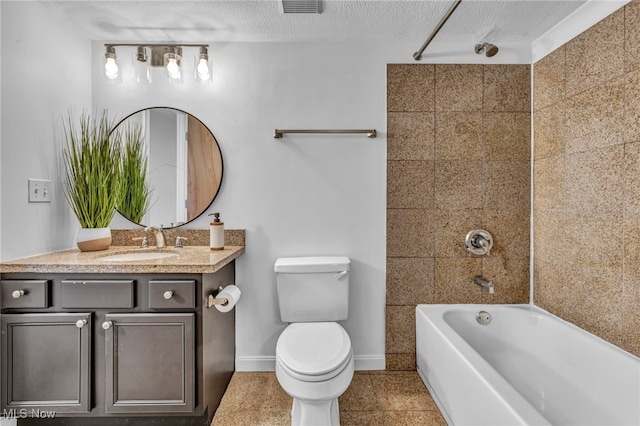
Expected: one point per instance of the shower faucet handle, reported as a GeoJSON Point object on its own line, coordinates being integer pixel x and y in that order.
{"type": "Point", "coordinates": [479, 242]}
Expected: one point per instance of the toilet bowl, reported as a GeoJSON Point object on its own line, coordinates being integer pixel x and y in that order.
{"type": "Point", "coordinates": [314, 359]}
{"type": "Point", "coordinates": [314, 365]}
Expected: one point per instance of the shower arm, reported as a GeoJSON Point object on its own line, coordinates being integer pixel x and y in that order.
{"type": "Point", "coordinates": [418, 55]}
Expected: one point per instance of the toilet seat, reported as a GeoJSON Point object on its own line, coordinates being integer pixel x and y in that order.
{"type": "Point", "coordinates": [315, 351]}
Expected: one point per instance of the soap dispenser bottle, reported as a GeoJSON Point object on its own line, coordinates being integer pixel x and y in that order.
{"type": "Point", "coordinates": [216, 233]}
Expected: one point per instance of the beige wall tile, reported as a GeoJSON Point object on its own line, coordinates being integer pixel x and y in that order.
{"type": "Point", "coordinates": [454, 280]}
{"type": "Point", "coordinates": [452, 227]}
{"type": "Point", "coordinates": [410, 136]}
{"type": "Point", "coordinates": [459, 87]}
{"type": "Point", "coordinates": [548, 236]}
{"type": "Point", "coordinates": [548, 183]}
{"type": "Point", "coordinates": [597, 311]}
{"type": "Point", "coordinates": [401, 362]}
{"type": "Point", "coordinates": [594, 180]}
{"type": "Point", "coordinates": [631, 268]}
{"type": "Point", "coordinates": [632, 178]}
{"type": "Point", "coordinates": [410, 184]}
{"type": "Point", "coordinates": [400, 329]}
{"type": "Point", "coordinates": [631, 318]}
{"type": "Point", "coordinates": [595, 118]}
{"type": "Point", "coordinates": [410, 87]}
{"type": "Point", "coordinates": [507, 88]}
{"type": "Point", "coordinates": [507, 136]}
{"type": "Point", "coordinates": [510, 277]}
{"type": "Point", "coordinates": [482, 124]}
{"type": "Point", "coordinates": [586, 190]}
{"type": "Point", "coordinates": [410, 233]}
{"type": "Point", "coordinates": [593, 244]}
{"type": "Point", "coordinates": [548, 292]}
{"type": "Point", "coordinates": [459, 185]}
{"type": "Point", "coordinates": [632, 36]}
{"type": "Point", "coordinates": [510, 231]}
{"type": "Point", "coordinates": [596, 55]}
{"type": "Point", "coordinates": [549, 131]}
{"type": "Point", "coordinates": [507, 185]}
{"type": "Point", "coordinates": [549, 79]}
{"type": "Point", "coordinates": [459, 136]}
{"type": "Point", "coordinates": [409, 280]}
{"type": "Point", "coordinates": [632, 107]}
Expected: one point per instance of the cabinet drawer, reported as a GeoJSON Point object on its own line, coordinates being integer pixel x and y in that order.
{"type": "Point", "coordinates": [25, 293]}
{"type": "Point", "coordinates": [97, 294]}
{"type": "Point", "coordinates": [172, 294]}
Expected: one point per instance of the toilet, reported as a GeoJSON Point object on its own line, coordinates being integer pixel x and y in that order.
{"type": "Point", "coordinates": [314, 359]}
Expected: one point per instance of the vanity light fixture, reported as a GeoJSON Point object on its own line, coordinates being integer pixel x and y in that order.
{"type": "Point", "coordinates": [173, 64]}
{"type": "Point", "coordinates": [111, 66]}
{"type": "Point", "coordinates": [150, 55]}
{"type": "Point", "coordinates": [140, 66]}
{"type": "Point", "coordinates": [203, 73]}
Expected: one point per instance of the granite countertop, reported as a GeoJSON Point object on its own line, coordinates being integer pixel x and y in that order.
{"type": "Point", "coordinates": [190, 259]}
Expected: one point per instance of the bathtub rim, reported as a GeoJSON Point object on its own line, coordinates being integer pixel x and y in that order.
{"type": "Point", "coordinates": [436, 320]}
{"type": "Point", "coordinates": [524, 306]}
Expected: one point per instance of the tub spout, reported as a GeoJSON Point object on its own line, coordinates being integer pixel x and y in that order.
{"type": "Point", "coordinates": [484, 283]}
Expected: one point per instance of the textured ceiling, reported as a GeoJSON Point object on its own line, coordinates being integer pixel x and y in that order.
{"type": "Point", "coordinates": [512, 21]}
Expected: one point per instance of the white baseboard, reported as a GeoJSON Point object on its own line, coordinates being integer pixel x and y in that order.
{"type": "Point", "coordinates": [268, 363]}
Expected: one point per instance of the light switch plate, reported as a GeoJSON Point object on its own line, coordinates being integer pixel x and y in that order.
{"type": "Point", "coordinates": [39, 191]}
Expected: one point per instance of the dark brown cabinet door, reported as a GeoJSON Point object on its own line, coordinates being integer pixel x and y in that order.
{"type": "Point", "coordinates": [149, 363]}
{"type": "Point", "coordinates": [46, 362]}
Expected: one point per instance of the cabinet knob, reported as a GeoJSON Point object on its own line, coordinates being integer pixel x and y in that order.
{"type": "Point", "coordinates": [107, 325]}
{"type": "Point", "coordinates": [16, 294]}
{"type": "Point", "coordinates": [81, 323]}
{"type": "Point", "coordinates": [168, 294]}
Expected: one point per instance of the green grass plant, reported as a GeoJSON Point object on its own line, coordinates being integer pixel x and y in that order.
{"type": "Point", "coordinates": [135, 195]}
{"type": "Point", "coordinates": [93, 168]}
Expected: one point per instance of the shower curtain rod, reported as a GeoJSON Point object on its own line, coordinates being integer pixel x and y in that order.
{"type": "Point", "coordinates": [418, 55]}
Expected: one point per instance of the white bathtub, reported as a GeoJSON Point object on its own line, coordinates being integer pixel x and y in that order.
{"type": "Point", "coordinates": [526, 367]}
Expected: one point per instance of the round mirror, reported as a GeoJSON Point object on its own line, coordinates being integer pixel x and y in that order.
{"type": "Point", "coordinates": [184, 165]}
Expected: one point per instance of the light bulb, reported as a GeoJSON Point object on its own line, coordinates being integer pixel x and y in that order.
{"type": "Point", "coordinates": [111, 69]}
{"type": "Point", "coordinates": [173, 69]}
{"type": "Point", "coordinates": [203, 69]}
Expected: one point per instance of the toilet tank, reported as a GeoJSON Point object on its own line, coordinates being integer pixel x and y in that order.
{"type": "Point", "coordinates": [313, 288]}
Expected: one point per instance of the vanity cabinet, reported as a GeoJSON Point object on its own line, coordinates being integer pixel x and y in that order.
{"type": "Point", "coordinates": [142, 379]}
{"type": "Point", "coordinates": [46, 361]}
{"type": "Point", "coordinates": [115, 348]}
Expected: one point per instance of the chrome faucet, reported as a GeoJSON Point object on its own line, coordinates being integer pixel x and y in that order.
{"type": "Point", "coordinates": [484, 283]}
{"type": "Point", "coordinates": [159, 236]}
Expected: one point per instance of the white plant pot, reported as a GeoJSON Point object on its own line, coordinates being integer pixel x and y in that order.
{"type": "Point", "coordinates": [93, 239]}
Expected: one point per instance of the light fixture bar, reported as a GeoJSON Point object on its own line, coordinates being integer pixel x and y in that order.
{"type": "Point", "coordinates": [154, 45]}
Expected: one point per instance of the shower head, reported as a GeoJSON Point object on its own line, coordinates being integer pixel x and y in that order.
{"type": "Point", "coordinates": [487, 48]}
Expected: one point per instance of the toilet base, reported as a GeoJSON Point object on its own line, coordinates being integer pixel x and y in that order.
{"type": "Point", "coordinates": [315, 413]}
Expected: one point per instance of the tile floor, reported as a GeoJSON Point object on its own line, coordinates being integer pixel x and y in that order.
{"type": "Point", "coordinates": [389, 398]}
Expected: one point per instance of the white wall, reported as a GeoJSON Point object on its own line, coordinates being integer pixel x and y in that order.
{"type": "Point", "coordinates": [46, 69]}
{"type": "Point", "coordinates": [295, 196]}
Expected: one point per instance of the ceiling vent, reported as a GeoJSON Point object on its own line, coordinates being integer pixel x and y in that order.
{"type": "Point", "coordinates": [301, 6]}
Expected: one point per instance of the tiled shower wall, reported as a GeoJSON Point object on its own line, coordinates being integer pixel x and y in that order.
{"type": "Point", "coordinates": [458, 151]}
{"type": "Point", "coordinates": [587, 180]}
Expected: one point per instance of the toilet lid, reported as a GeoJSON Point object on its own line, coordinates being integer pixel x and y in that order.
{"type": "Point", "coordinates": [313, 348]}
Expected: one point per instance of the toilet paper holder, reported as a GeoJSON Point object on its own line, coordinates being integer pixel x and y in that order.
{"type": "Point", "coordinates": [212, 300]}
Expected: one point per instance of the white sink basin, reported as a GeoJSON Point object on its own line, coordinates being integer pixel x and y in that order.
{"type": "Point", "coordinates": [137, 256]}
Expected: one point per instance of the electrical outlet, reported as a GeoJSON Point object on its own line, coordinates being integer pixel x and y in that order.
{"type": "Point", "coordinates": [39, 191]}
